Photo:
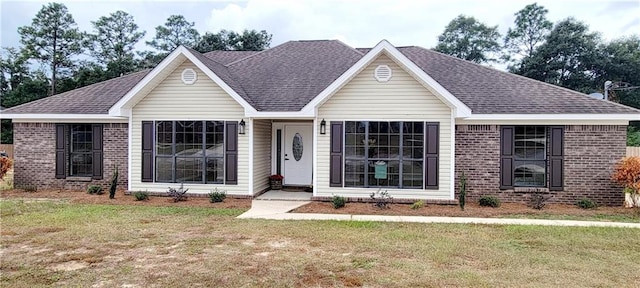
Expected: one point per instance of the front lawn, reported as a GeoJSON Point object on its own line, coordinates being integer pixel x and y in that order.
{"type": "Point", "coordinates": [82, 245]}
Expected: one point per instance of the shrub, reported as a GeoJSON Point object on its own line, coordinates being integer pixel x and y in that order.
{"type": "Point", "coordinates": [178, 194]}
{"type": "Point", "coordinates": [463, 191]}
{"type": "Point", "coordinates": [217, 196]}
{"type": "Point", "coordinates": [114, 183]}
{"type": "Point", "coordinates": [381, 199]}
{"type": "Point", "coordinates": [586, 203]}
{"type": "Point", "coordinates": [29, 187]}
{"type": "Point", "coordinates": [489, 201]}
{"type": "Point", "coordinates": [5, 166]}
{"type": "Point", "coordinates": [538, 201]}
{"type": "Point", "coordinates": [417, 205]}
{"type": "Point", "coordinates": [141, 195]}
{"type": "Point", "coordinates": [338, 201]}
{"type": "Point", "coordinates": [95, 189]}
{"type": "Point", "coordinates": [627, 173]}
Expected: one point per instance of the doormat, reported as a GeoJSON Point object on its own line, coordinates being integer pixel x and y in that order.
{"type": "Point", "coordinates": [297, 189]}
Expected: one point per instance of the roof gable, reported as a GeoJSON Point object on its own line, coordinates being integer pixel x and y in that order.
{"type": "Point", "coordinates": [459, 108]}
{"type": "Point", "coordinates": [165, 67]}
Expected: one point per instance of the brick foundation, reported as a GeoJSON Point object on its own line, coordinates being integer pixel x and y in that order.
{"type": "Point", "coordinates": [591, 152]}
{"type": "Point", "coordinates": [34, 159]}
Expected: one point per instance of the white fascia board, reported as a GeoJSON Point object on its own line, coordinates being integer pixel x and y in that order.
{"type": "Point", "coordinates": [120, 108]}
{"type": "Point", "coordinates": [459, 108]}
{"type": "Point", "coordinates": [551, 117]}
{"type": "Point", "coordinates": [103, 118]}
{"type": "Point", "coordinates": [280, 115]}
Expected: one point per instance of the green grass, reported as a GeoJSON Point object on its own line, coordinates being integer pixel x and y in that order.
{"type": "Point", "coordinates": [62, 244]}
{"type": "Point", "coordinates": [629, 218]}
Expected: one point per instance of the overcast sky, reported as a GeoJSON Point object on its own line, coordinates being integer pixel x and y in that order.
{"type": "Point", "coordinates": [357, 23]}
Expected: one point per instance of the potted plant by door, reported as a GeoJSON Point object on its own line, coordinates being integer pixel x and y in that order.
{"type": "Point", "coordinates": [275, 181]}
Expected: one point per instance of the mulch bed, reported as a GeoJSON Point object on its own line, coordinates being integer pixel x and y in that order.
{"type": "Point", "coordinates": [471, 210]}
{"type": "Point", "coordinates": [122, 199]}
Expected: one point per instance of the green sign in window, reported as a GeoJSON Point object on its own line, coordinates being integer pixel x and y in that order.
{"type": "Point", "coordinates": [381, 170]}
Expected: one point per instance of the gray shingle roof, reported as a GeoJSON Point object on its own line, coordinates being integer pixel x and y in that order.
{"type": "Point", "coordinates": [93, 99]}
{"type": "Point", "coordinates": [226, 57]}
{"type": "Point", "coordinates": [489, 91]}
{"type": "Point", "coordinates": [289, 76]}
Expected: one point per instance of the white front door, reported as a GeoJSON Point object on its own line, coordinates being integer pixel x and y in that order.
{"type": "Point", "coordinates": [298, 154]}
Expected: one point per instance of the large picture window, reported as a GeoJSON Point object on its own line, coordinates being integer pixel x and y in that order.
{"type": "Point", "coordinates": [80, 150]}
{"type": "Point", "coordinates": [189, 151]}
{"type": "Point", "coordinates": [397, 146]}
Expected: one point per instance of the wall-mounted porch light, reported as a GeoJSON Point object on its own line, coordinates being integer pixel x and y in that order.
{"type": "Point", "coordinates": [241, 127]}
{"type": "Point", "coordinates": [323, 127]}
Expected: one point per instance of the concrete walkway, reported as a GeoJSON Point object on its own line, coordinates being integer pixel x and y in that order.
{"type": "Point", "coordinates": [278, 210]}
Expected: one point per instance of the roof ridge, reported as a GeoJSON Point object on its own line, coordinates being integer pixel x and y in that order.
{"type": "Point", "coordinates": [255, 54]}
{"type": "Point", "coordinates": [345, 44]}
{"type": "Point", "coordinates": [515, 75]}
{"type": "Point", "coordinates": [79, 88]}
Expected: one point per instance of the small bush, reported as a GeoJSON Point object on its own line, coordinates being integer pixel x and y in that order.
{"type": "Point", "coordinates": [627, 173]}
{"type": "Point", "coordinates": [489, 201]}
{"type": "Point", "coordinates": [5, 166]}
{"type": "Point", "coordinates": [95, 189]}
{"type": "Point", "coordinates": [417, 205]}
{"type": "Point", "coordinates": [114, 183]}
{"type": "Point", "coordinates": [586, 203]}
{"type": "Point", "coordinates": [178, 194]}
{"type": "Point", "coordinates": [338, 201]}
{"type": "Point", "coordinates": [381, 199]}
{"type": "Point", "coordinates": [463, 191]}
{"type": "Point", "coordinates": [217, 196]}
{"type": "Point", "coordinates": [29, 187]}
{"type": "Point", "coordinates": [538, 201]}
{"type": "Point", "coordinates": [141, 195]}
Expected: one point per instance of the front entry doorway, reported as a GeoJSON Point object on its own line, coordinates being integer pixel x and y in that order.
{"type": "Point", "coordinates": [297, 154]}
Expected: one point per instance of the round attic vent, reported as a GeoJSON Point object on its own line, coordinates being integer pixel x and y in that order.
{"type": "Point", "coordinates": [189, 76]}
{"type": "Point", "coordinates": [383, 73]}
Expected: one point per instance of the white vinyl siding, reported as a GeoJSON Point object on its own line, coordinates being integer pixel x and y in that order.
{"type": "Point", "coordinates": [173, 100]}
{"type": "Point", "coordinates": [261, 154]}
{"type": "Point", "coordinates": [402, 98]}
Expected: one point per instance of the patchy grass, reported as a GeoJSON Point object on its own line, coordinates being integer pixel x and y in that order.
{"type": "Point", "coordinates": [65, 244]}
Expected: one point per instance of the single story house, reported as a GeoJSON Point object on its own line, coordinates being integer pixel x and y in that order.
{"type": "Point", "coordinates": [342, 120]}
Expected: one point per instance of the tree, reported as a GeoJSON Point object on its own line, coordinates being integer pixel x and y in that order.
{"type": "Point", "coordinates": [52, 39]}
{"type": "Point", "coordinates": [175, 32]}
{"type": "Point", "coordinates": [532, 27]}
{"type": "Point", "coordinates": [113, 42]}
{"type": "Point", "coordinates": [619, 61]}
{"type": "Point", "coordinates": [567, 58]}
{"type": "Point", "coordinates": [13, 69]}
{"type": "Point", "coordinates": [252, 41]}
{"type": "Point", "coordinates": [249, 40]}
{"type": "Point", "coordinates": [466, 38]}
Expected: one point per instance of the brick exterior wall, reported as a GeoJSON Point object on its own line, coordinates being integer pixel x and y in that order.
{"type": "Point", "coordinates": [34, 159]}
{"type": "Point", "coordinates": [590, 153]}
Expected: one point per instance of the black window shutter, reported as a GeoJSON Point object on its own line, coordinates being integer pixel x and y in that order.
{"type": "Point", "coordinates": [556, 158]}
{"type": "Point", "coordinates": [506, 156]}
{"type": "Point", "coordinates": [231, 153]}
{"type": "Point", "coordinates": [335, 154]}
{"type": "Point", "coordinates": [60, 152]}
{"type": "Point", "coordinates": [96, 151]}
{"type": "Point", "coordinates": [431, 151]}
{"type": "Point", "coordinates": [147, 151]}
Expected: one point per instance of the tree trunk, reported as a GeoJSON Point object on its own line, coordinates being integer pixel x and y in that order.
{"type": "Point", "coordinates": [54, 63]}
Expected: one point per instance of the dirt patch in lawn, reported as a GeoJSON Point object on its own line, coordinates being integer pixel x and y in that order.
{"type": "Point", "coordinates": [121, 199]}
{"type": "Point", "coordinates": [471, 210]}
